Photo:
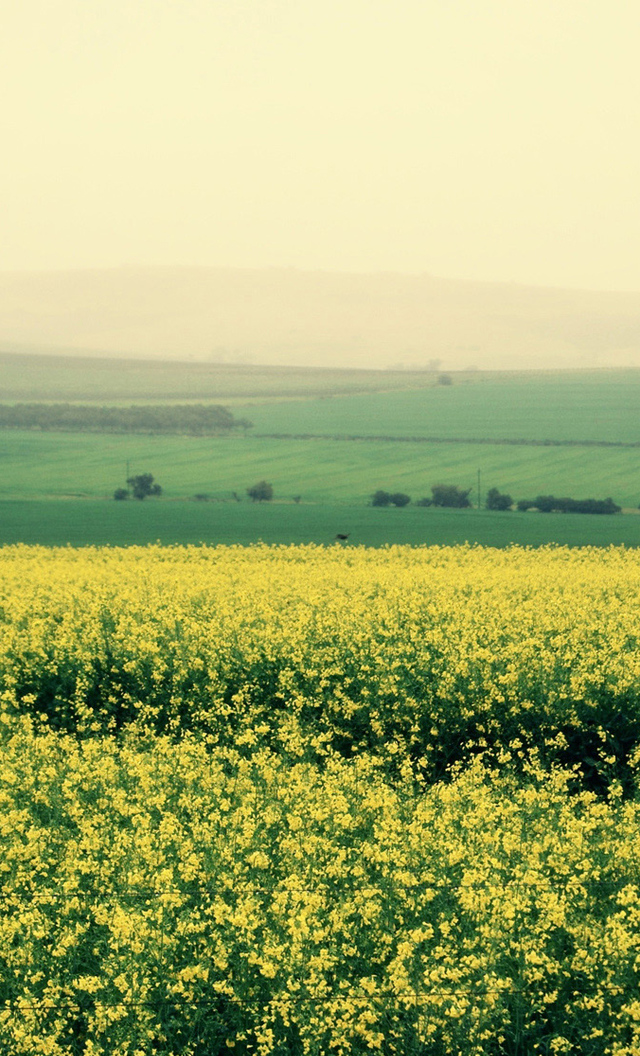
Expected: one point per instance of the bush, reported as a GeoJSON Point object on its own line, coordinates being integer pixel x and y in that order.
{"type": "Point", "coordinates": [424, 502]}
{"type": "Point", "coordinates": [143, 485]}
{"type": "Point", "coordinates": [260, 492]}
{"type": "Point", "coordinates": [400, 499]}
{"type": "Point", "coordinates": [381, 498]}
{"type": "Point", "coordinates": [545, 503]}
{"type": "Point", "coordinates": [450, 495]}
{"type": "Point", "coordinates": [445, 379]}
{"type": "Point", "coordinates": [497, 500]}
{"type": "Point", "coordinates": [526, 504]}
{"type": "Point", "coordinates": [120, 494]}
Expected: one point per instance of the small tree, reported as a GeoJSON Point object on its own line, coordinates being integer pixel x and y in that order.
{"type": "Point", "coordinates": [143, 485]}
{"type": "Point", "coordinates": [450, 495]}
{"type": "Point", "coordinates": [400, 499]}
{"type": "Point", "coordinates": [120, 494]}
{"type": "Point", "coordinates": [497, 500]}
{"type": "Point", "coordinates": [260, 492]}
{"type": "Point", "coordinates": [381, 498]}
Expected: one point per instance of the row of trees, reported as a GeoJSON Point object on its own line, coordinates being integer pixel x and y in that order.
{"type": "Point", "coordinates": [143, 486]}
{"type": "Point", "coordinates": [441, 495]}
{"type": "Point", "coordinates": [444, 495]}
{"type": "Point", "coordinates": [453, 497]}
{"type": "Point", "coordinates": [197, 419]}
{"type": "Point", "coordinates": [549, 504]}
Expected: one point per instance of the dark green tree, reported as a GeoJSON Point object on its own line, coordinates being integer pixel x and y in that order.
{"type": "Point", "coordinates": [143, 485]}
{"type": "Point", "coordinates": [498, 500]}
{"type": "Point", "coordinates": [400, 499]}
{"type": "Point", "coordinates": [450, 495]}
{"type": "Point", "coordinates": [260, 492]}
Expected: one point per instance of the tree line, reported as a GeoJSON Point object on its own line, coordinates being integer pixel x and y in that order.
{"type": "Point", "coordinates": [453, 497]}
{"type": "Point", "coordinates": [198, 419]}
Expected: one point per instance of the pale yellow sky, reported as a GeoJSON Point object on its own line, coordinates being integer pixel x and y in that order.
{"type": "Point", "coordinates": [481, 139]}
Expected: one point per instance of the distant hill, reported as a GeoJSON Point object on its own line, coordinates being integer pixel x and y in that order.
{"type": "Point", "coordinates": [290, 317]}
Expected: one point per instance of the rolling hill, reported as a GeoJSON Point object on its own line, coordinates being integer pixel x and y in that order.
{"type": "Point", "coordinates": [287, 317]}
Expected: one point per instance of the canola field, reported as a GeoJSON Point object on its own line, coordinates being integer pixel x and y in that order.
{"type": "Point", "coordinates": [296, 801]}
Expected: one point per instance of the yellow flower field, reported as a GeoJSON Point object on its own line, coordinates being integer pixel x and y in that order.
{"type": "Point", "coordinates": [293, 801]}
{"type": "Point", "coordinates": [403, 652]}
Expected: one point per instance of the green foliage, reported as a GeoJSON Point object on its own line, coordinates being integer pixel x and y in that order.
{"type": "Point", "coordinates": [497, 500]}
{"type": "Point", "coordinates": [260, 492]}
{"type": "Point", "coordinates": [450, 495]}
{"type": "Point", "coordinates": [381, 498]}
{"type": "Point", "coordinates": [399, 498]}
{"type": "Point", "coordinates": [549, 503]}
{"type": "Point", "coordinates": [142, 485]}
{"type": "Point", "coordinates": [120, 494]}
{"type": "Point", "coordinates": [195, 419]}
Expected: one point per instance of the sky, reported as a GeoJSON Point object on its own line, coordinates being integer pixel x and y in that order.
{"type": "Point", "coordinates": [480, 139]}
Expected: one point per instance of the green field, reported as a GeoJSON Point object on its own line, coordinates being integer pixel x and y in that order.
{"type": "Point", "coordinates": [38, 465]}
{"type": "Point", "coordinates": [78, 522]}
{"type": "Point", "coordinates": [316, 435]}
{"type": "Point", "coordinates": [590, 405]}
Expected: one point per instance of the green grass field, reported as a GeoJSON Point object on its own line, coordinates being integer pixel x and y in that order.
{"type": "Point", "coordinates": [91, 522]}
{"type": "Point", "coordinates": [589, 405]}
{"type": "Point", "coordinates": [38, 465]}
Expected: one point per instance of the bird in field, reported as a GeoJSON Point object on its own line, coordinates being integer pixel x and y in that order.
{"type": "Point", "coordinates": [343, 538]}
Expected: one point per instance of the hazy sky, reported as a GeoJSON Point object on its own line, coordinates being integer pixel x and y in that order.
{"type": "Point", "coordinates": [481, 139]}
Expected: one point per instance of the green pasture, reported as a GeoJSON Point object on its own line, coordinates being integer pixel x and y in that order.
{"type": "Point", "coordinates": [582, 405]}
{"type": "Point", "coordinates": [38, 465]}
{"type": "Point", "coordinates": [95, 522]}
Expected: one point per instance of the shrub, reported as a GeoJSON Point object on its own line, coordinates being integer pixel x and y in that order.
{"type": "Point", "coordinates": [260, 492]}
{"type": "Point", "coordinates": [143, 485]}
{"type": "Point", "coordinates": [400, 499]}
{"type": "Point", "coordinates": [381, 498]}
{"type": "Point", "coordinates": [120, 494]}
{"type": "Point", "coordinates": [497, 500]}
{"type": "Point", "coordinates": [450, 495]}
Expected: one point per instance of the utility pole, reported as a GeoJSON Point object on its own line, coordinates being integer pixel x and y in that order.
{"type": "Point", "coordinates": [128, 474]}
{"type": "Point", "coordinates": [478, 489]}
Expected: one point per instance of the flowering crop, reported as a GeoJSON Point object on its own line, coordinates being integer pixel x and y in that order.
{"type": "Point", "coordinates": [293, 801]}
{"type": "Point", "coordinates": [166, 898]}
{"type": "Point", "coordinates": [428, 653]}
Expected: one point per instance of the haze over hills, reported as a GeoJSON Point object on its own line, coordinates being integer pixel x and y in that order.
{"type": "Point", "coordinates": [305, 318]}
